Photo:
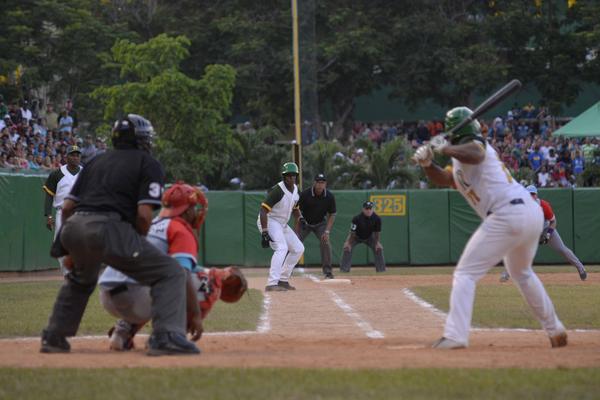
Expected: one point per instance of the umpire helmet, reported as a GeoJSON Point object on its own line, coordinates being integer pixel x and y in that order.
{"type": "Point", "coordinates": [454, 117]}
{"type": "Point", "coordinates": [289, 168]}
{"type": "Point", "coordinates": [134, 130]}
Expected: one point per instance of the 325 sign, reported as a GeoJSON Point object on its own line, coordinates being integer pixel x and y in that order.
{"type": "Point", "coordinates": [389, 205]}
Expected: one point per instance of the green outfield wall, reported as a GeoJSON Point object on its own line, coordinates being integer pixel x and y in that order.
{"type": "Point", "coordinates": [420, 227]}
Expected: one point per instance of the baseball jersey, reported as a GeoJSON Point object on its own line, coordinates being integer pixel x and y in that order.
{"type": "Point", "coordinates": [547, 208]}
{"type": "Point", "coordinates": [119, 180]}
{"type": "Point", "coordinates": [280, 203]}
{"type": "Point", "coordinates": [59, 184]}
{"type": "Point", "coordinates": [486, 186]}
{"type": "Point", "coordinates": [173, 236]}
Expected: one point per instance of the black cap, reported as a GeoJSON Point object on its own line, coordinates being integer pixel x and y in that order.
{"type": "Point", "coordinates": [320, 178]}
{"type": "Point", "coordinates": [368, 204]}
{"type": "Point", "coordinates": [73, 149]}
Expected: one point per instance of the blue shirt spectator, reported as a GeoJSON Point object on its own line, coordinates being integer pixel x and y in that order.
{"type": "Point", "coordinates": [578, 163]}
{"type": "Point", "coordinates": [536, 158]}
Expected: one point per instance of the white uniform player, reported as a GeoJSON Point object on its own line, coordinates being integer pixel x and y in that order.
{"type": "Point", "coordinates": [57, 187]}
{"type": "Point", "coordinates": [273, 218]}
{"type": "Point", "coordinates": [512, 224]}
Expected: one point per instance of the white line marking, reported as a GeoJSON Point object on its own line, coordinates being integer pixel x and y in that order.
{"type": "Point", "coordinates": [264, 322]}
{"type": "Point", "coordinates": [346, 308]}
{"type": "Point", "coordinates": [416, 299]}
{"type": "Point", "coordinates": [430, 307]}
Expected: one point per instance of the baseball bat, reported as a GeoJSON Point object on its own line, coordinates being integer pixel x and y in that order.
{"type": "Point", "coordinates": [508, 89]}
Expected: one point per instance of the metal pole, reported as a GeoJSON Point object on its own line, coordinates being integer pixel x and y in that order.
{"type": "Point", "coordinates": [297, 119]}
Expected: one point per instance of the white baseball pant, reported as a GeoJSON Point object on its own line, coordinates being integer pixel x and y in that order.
{"type": "Point", "coordinates": [288, 250]}
{"type": "Point", "coordinates": [57, 225]}
{"type": "Point", "coordinates": [510, 234]}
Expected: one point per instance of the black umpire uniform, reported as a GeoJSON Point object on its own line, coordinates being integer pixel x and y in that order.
{"type": "Point", "coordinates": [102, 229]}
{"type": "Point", "coordinates": [318, 213]}
{"type": "Point", "coordinates": [365, 228]}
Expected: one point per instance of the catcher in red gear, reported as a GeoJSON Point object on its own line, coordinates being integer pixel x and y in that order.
{"type": "Point", "coordinates": [175, 232]}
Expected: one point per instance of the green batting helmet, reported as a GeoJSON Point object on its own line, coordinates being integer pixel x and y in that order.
{"type": "Point", "coordinates": [289, 168]}
{"type": "Point", "coordinates": [454, 117]}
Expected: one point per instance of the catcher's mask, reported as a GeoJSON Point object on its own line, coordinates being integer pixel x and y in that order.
{"type": "Point", "coordinates": [454, 117]}
{"type": "Point", "coordinates": [179, 198]}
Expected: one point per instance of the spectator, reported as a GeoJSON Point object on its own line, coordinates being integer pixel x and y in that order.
{"type": "Point", "coordinates": [50, 118]}
{"type": "Point", "coordinates": [26, 114]}
{"type": "Point", "coordinates": [88, 150]}
{"type": "Point", "coordinates": [578, 164]}
{"type": "Point", "coordinates": [65, 122]}
{"type": "Point", "coordinates": [551, 158]}
{"type": "Point", "coordinates": [423, 134]}
{"type": "Point", "coordinates": [543, 177]}
{"type": "Point", "coordinates": [588, 150]}
{"type": "Point", "coordinates": [536, 158]}
{"type": "Point", "coordinates": [100, 146]}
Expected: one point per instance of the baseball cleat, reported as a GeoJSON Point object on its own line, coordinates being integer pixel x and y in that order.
{"type": "Point", "coordinates": [285, 285]}
{"type": "Point", "coordinates": [504, 277]}
{"type": "Point", "coordinates": [582, 273]}
{"type": "Point", "coordinates": [54, 343]}
{"type": "Point", "coordinates": [448, 344]}
{"type": "Point", "coordinates": [329, 276]}
{"type": "Point", "coordinates": [559, 340]}
{"type": "Point", "coordinates": [275, 288]}
{"type": "Point", "coordinates": [120, 336]}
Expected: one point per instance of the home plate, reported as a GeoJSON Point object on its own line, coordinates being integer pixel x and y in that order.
{"type": "Point", "coordinates": [335, 280]}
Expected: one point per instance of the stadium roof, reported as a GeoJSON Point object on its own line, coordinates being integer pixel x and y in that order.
{"type": "Point", "coordinates": [586, 124]}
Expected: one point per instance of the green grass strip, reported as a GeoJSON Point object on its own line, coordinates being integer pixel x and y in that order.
{"type": "Point", "coordinates": [503, 306]}
{"type": "Point", "coordinates": [25, 308]}
{"type": "Point", "coordinates": [267, 383]}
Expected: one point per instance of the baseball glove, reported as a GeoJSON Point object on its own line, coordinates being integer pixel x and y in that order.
{"type": "Point", "coordinates": [546, 235]}
{"type": "Point", "coordinates": [234, 285]}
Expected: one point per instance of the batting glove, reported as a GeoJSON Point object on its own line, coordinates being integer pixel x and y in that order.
{"type": "Point", "coordinates": [265, 240]}
{"type": "Point", "coordinates": [423, 155]}
{"type": "Point", "coordinates": [438, 143]}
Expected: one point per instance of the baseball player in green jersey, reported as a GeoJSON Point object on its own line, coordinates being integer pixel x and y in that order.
{"type": "Point", "coordinates": [57, 187]}
{"type": "Point", "coordinates": [275, 212]}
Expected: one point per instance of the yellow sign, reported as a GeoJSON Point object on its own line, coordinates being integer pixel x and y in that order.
{"type": "Point", "coordinates": [389, 205]}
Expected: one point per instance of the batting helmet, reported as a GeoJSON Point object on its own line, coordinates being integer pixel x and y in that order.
{"type": "Point", "coordinates": [134, 130]}
{"type": "Point", "coordinates": [454, 117]}
{"type": "Point", "coordinates": [181, 196]}
{"type": "Point", "coordinates": [532, 189]}
{"type": "Point", "coordinates": [290, 168]}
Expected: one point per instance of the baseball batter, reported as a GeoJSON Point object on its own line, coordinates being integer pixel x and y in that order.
{"type": "Point", "coordinates": [273, 218]}
{"type": "Point", "coordinates": [57, 187]}
{"type": "Point", "coordinates": [551, 237]}
{"type": "Point", "coordinates": [511, 226]}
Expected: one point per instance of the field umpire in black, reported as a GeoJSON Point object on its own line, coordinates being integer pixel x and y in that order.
{"type": "Point", "coordinates": [317, 205]}
{"type": "Point", "coordinates": [365, 228]}
{"type": "Point", "coordinates": [106, 216]}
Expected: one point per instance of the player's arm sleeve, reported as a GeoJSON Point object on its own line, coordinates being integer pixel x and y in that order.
{"type": "Point", "coordinates": [354, 224]}
{"type": "Point", "coordinates": [151, 185]}
{"type": "Point", "coordinates": [332, 207]}
{"type": "Point", "coordinates": [548, 212]}
{"type": "Point", "coordinates": [377, 227]}
{"type": "Point", "coordinates": [49, 189]}
{"type": "Point", "coordinates": [273, 197]}
{"type": "Point", "coordinates": [182, 245]}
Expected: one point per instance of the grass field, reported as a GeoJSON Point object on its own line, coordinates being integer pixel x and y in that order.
{"type": "Point", "coordinates": [290, 383]}
{"type": "Point", "coordinates": [35, 300]}
{"type": "Point", "coordinates": [503, 306]}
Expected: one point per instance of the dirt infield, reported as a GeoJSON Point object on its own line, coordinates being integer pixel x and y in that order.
{"type": "Point", "coordinates": [367, 323]}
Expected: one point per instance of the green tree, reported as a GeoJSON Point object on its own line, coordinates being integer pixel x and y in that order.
{"type": "Point", "coordinates": [193, 141]}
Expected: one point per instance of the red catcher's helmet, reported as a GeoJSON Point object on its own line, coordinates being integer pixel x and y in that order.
{"type": "Point", "coordinates": [181, 196]}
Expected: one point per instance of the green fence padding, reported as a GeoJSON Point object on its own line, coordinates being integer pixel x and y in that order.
{"type": "Point", "coordinates": [463, 222]}
{"type": "Point", "coordinates": [561, 201]}
{"type": "Point", "coordinates": [429, 227]}
{"type": "Point", "coordinates": [37, 238]}
{"type": "Point", "coordinates": [392, 207]}
{"type": "Point", "coordinates": [254, 254]}
{"type": "Point", "coordinates": [586, 220]}
{"type": "Point", "coordinates": [11, 231]}
{"type": "Point", "coordinates": [223, 234]}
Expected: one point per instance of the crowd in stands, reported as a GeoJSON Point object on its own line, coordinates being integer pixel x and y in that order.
{"type": "Point", "coordinates": [523, 138]}
{"type": "Point", "coordinates": [36, 138]}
